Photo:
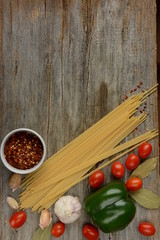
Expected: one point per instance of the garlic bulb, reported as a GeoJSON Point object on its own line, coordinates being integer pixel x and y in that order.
{"type": "Point", "coordinates": [68, 209]}
{"type": "Point", "coordinates": [45, 219]}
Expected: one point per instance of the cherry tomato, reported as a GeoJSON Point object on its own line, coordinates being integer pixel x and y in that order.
{"type": "Point", "coordinates": [90, 232]}
{"type": "Point", "coordinates": [144, 150]}
{"type": "Point", "coordinates": [58, 229]}
{"type": "Point", "coordinates": [132, 161]}
{"type": "Point", "coordinates": [96, 179]}
{"type": "Point", "coordinates": [146, 229]}
{"type": "Point", "coordinates": [134, 184]}
{"type": "Point", "coordinates": [18, 219]}
{"type": "Point", "coordinates": [118, 169]}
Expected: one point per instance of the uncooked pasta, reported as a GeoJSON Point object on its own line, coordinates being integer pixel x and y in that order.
{"type": "Point", "coordinates": [76, 160]}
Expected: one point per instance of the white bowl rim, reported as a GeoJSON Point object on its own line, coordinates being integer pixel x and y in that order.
{"type": "Point", "coordinates": [16, 170]}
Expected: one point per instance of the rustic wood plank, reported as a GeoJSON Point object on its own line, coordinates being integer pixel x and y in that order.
{"type": "Point", "coordinates": [158, 58]}
{"type": "Point", "coordinates": [1, 24]}
{"type": "Point", "coordinates": [65, 65]}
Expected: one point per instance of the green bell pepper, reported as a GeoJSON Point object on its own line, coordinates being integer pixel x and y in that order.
{"type": "Point", "coordinates": [110, 207]}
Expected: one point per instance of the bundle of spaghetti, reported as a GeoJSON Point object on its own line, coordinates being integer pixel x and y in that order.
{"type": "Point", "coordinates": [71, 164]}
{"type": "Point", "coordinates": [61, 192]}
{"type": "Point", "coordinates": [132, 144]}
{"type": "Point", "coordinates": [91, 162]}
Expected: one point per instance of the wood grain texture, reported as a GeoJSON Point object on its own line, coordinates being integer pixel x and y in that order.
{"type": "Point", "coordinates": [1, 24]}
{"type": "Point", "coordinates": [158, 59]}
{"type": "Point", "coordinates": [65, 64]}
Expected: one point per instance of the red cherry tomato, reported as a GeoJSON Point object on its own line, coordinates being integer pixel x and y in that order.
{"type": "Point", "coordinates": [146, 229]}
{"type": "Point", "coordinates": [90, 232]}
{"type": "Point", "coordinates": [18, 219]}
{"type": "Point", "coordinates": [134, 184]}
{"type": "Point", "coordinates": [96, 179]}
{"type": "Point", "coordinates": [58, 229]}
{"type": "Point", "coordinates": [132, 161]}
{"type": "Point", "coordinates": [118, 169]}
{"type": "Point", "coordinates": [144, 150]}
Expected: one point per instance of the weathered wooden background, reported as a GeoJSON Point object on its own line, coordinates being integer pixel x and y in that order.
{"type": "Point", "coordinates": [64, 65]}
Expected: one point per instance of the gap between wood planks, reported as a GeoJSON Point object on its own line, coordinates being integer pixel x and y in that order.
{"type": "Point", "coordinates": [158, 62]}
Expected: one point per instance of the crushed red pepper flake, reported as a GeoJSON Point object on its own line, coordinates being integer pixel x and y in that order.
{"type": "Point", "coordinates": [23, 150]}
{"type": "Point", "coordinates": [135, 89]}
{"type": "Point", "coordinates": [125, 97]}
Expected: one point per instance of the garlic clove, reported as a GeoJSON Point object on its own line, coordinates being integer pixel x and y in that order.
{"type": "Point", "coordinates": [68, 209]}
{"type": "Point", "coordinates": [15, 181]}
{"type": "Point", "coordinates": [12, 203]}
{"type": "Point", "coordinates": [45, 219]}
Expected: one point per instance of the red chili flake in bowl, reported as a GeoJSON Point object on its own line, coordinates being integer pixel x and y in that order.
{"type": "Point", "coordinates": [23, 150]}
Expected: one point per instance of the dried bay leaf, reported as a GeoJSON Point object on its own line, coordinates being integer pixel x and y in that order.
{"type": "Point", "coordinates": [42, 234]}
{"type": "Point", "coordinates": [146, 198]}
{"type": "Point", "coordinates": [46, 233]}
{"type": "Point", "coordinates": [144, 169]}
{"type": "Point", "coordinates": [37, 234]}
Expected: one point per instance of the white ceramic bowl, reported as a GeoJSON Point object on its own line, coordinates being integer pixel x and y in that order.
{"type": "Point", "coordinates": [15, 170]}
